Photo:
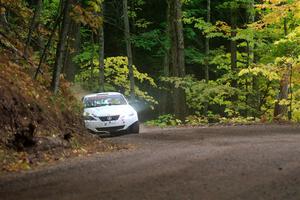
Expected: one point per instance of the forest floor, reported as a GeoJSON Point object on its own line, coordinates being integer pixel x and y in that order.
{"type": "Point", "coordinates": [241, 162]}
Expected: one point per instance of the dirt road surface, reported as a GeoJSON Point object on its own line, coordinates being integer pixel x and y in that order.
{"type": "Point", "coordinates": [219, 163]}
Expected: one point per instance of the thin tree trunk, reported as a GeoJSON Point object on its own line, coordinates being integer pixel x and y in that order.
{"type": "Point", "coordinates": [33, 25]}
{"type": "Point", "coordinates": [233, 45]}
{"type": "Point", "coordinates": [66, 55]}
{"type": "Point", "coordinates": [251, 20]}
{"type": "Point", "coordinates": [44, 54]}
{"type": "Point", "coordinates": [61, 47]}
{"type": "Point", "coordinates": [255, 100]}
{"type": "Point", "coordinates": [250, 44]}
{"type": "Point", "coordinates": [281, 110]}
{"type": "Point", "coordinates": [207, 52]}
{"type": "Point", "coordinates": [177, 60]}
{"type": "Point", "coordinates": [290, 116]}
{"type": "Point", "coordinates": [165, 95]}
{"type": "Point", "coordinates": [92, 59]}
{"type": "Point", "coordinates": [207, 47]}
{"type": "Point", "coordinates": [233, 53]}
{"type": "Point", "coordinates": [3, 19]}
{"type": "Point", "coordinates": [129, 49]}
{"type": "Point", "coordinates": [247, 82]}
{"type": "Point", "coordinates": [101, 52]}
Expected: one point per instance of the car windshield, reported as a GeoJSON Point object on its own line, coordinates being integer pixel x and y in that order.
{"type": "Point", "coordinates": [104, 100]}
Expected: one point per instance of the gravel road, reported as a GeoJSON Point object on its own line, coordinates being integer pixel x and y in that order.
{"type": "Point", "coordinates": [218, 163]}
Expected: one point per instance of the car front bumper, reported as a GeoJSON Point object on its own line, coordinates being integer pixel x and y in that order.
{"type": "Point", "coordinates": [110, 126]}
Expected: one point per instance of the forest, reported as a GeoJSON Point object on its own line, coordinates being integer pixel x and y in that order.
{"type": "Point", "coordinates": [184, 65]}
{"type": "Point", "coordinates": [178, 61]}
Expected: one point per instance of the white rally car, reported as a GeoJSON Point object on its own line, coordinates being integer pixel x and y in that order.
{"type": "Point", "coordinates": [109, 112]}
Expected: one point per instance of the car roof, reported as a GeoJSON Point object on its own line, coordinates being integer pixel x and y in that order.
{"type": "Point", "coordinates": [102, 93]}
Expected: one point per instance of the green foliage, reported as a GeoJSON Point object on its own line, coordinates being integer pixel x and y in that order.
{"type": "Point", "coordinates": [134, 7]}
{"type": "Point", "coordinates": [88, 14]}
{"type": "Point", "coordinates": [147, 40]}
{"type": "Point", "coordinates": [296, 105]}
{"type": "Point", "coordinates": [267, 71]}
{"type": "Point", "coordinates": [194, 56]}
{"type": "Point", "coordinates": [266, 50]}
{"type": "Point", "coordinates": [238, 120]}
{"type": "Point", "coordinates": [50, 9]}
{"type": "Point", "coordinates": [195, 120]}
{"type": "Point", "coordinates": [164, 121]}
{"type": "Point", "coordinates": [116, 76]}
{"type": "Point", "coordinates": [209, 30]}
{"type": "Point", "coordinates": [200, 94]}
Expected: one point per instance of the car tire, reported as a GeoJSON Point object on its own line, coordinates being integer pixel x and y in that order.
{"type": "Point", "coordinates": [135, 128]}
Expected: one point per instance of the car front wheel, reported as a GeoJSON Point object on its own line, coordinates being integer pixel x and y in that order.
{"type": "Point", "coordinates": [134, 128]}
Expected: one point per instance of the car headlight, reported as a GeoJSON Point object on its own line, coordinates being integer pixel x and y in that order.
{"type": "Point", "coordinates": [88, 117]}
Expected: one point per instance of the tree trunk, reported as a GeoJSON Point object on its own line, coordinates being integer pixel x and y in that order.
{"type": "Point", "coordinates": [129, 49]}
{"type": "Point", "coordinates": [207, 52]}
{"type": "Point", "coordinates": [251, 20]}
{"type": "Point", "coordinates": [61, 47]}
{"type": "Point", "coordinates": [254, 98]}
{"type": "Point", "coordinates": [207, 47]}
{"type": "Point", "coordinates": [3, 20]}
{"type": "Point", "coordinates": [33, 25]}
{"type": "Point", "coordinates": [101, 52]}
{"type": "Point", "coordinates": [164, 106]}
{"type": "Point", "coordinates": [71, 67]}
{"type": "Point", "coordinates": [233, 46]}
{"type": "Point", "coordinates": [177, 61]}
{"type": "Point", "coordinates": [281, 110]}
{"type": "Point", "coordinates": [92, 59]}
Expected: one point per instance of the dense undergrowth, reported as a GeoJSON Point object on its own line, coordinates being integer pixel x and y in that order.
{"type": "Point", "coordinates": [169, 120]}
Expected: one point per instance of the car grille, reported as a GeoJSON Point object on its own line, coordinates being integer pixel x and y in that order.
{"type": "Point", "coordinates": [110, 129]}
{"type": "Point", "coordinates": [109, 118]}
